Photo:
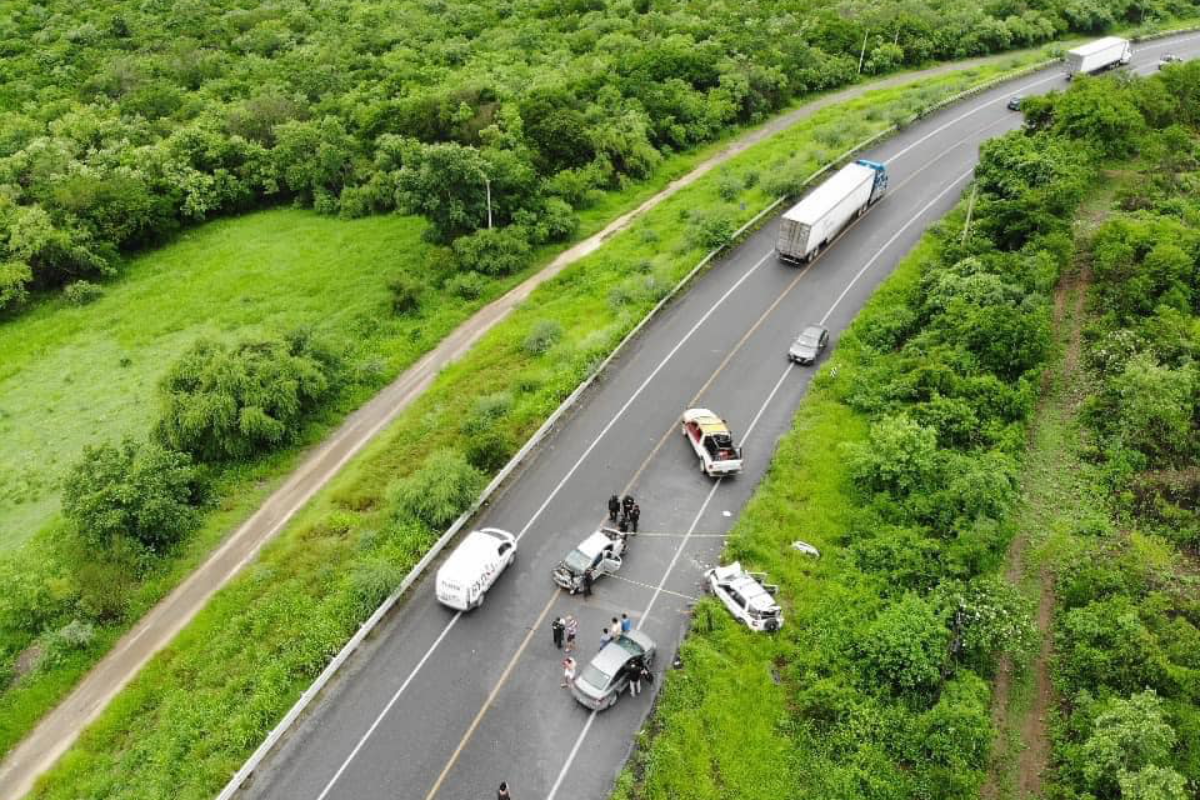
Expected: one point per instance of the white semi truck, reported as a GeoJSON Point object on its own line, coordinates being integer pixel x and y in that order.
{"type": "Point", "coordinates": [820, 216]}
{"type": "Point", "coordinates": [1098, 55]}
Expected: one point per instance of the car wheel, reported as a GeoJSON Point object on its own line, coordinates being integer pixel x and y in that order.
{"type": "Point", "coordinates": [612, 700]}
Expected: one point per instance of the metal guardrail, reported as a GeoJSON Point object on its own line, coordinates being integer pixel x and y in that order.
{"type": "Point", "coordinates": [364, 630]}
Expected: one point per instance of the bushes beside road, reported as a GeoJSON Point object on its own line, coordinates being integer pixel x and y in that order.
{"type": "Point", "coordinates": [901, 468]}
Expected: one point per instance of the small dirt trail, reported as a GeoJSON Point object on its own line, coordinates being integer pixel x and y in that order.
{"type": "Point", "coordinates": [1023, 698]}
{"type": "Point", "coordinates": [58, 730]}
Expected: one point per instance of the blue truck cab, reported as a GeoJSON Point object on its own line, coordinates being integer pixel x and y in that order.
{"type": "Point", "coordinates": [881, 179]}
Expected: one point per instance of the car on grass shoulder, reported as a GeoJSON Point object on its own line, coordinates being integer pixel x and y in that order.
{"type": "Point", "coordinates": [710, 437]}
{"type": "Point", "coordinates": [809, 344]}
{"type": "Point", "coordinates": [1168, 58]}
{"type": "Point", "coordinates": [602, 553]}
{"type": "Point", "coordinates": [601, 682]}
{"type": "Point", "coordinates": [747, 596]}
{"type": "Point", "coordinates": [473, 567]}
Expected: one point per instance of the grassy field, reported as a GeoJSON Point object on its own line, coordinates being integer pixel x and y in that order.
{"type": "Point", "coordinates": [249, 654]}
{"type": "Point", "coordinates": [73, 376]}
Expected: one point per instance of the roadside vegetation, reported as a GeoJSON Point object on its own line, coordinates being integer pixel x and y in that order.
{"type": "Point", "coordinates": [902, 467]}
{"type": "Point", "coordinates": [122, 122]}
{"type": "Point", "coordinates": [259, 643]}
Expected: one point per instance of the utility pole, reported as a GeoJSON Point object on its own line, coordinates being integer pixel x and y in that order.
{"type": "Point", "coordinates": [970, 209]}
{"type": "Point", "coordinates": [863, 54]}
{"type": "Point", "coordinates": [488, 184]}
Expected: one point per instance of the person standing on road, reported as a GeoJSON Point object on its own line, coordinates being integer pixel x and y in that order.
{"type": "Point", "coordinates": [635, 513]}
{"type": "Point", "coordinates": [587, 582]}
{"type": "Point", "coordinates": [502, 792]}
{"type": "Point", "coordinates": [614, 506]}
{"type": "Point", "coordinates": [634, 671]}
{"type": "Point", "coordinates": [556, 631]}
{"type": "Point", "coordinates": [615, 629]}
{"type": "Point", "coordinates": [572, 632]}
{"type": "Point", "coordinates": [627, 505]}
{"type": "Point", "coordinates": [568, 666]}
{"type": "Point", "coordinates": [626, 623]}
{"type": "Point", "coordinates": [605, 638]}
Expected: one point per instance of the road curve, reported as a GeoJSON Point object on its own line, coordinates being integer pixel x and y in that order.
{"type": "Point", "coordinates": [447, 705]}
{"type": "Point", "coordinates": [58, 730]}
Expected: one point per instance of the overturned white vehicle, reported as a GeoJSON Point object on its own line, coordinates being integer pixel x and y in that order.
{"type": "Point", "coordinates": [747, 596]}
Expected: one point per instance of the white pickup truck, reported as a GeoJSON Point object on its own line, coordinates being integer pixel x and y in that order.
{"type": "Point", "coordinates": [712, 441]}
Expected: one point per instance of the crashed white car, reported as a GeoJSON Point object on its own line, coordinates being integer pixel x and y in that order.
{"type": "Point", "coordinates": [601, 553]}
{"type": "Point", "coordinates": [748, 598]}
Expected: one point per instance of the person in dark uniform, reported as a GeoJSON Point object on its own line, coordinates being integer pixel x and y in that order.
{"type": "Point", "coordinates": [627, 506]}
{"type": "Point", "coordinates": [502, 792]}
{"type": "Point", "coordinates": [635, 513]}
{"type": "Point", "coordinates": [556, 630]}
{"type": "Point", "coordinates": [587, 582]}
{"type": "Point", "coordinates": [614, 507]}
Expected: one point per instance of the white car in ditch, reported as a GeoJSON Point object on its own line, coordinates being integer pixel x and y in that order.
{"type": "Point", "coordinates": [747, 596]}
{"type": "Point", "coordinates": [712, 441]}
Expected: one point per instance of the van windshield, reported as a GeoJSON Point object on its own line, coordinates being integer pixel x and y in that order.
{"type": "Point", "coordinates": [577, 561]}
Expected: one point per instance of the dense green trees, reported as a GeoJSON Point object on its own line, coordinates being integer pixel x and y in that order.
{"type": "Point", "coordinates": [221, 402]}
{"type": "Point", "coordinates": [145, 492]}
{"type": "Point", "coordinates": [119, 123]}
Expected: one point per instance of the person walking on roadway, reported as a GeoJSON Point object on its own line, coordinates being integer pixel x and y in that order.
{"type": "Point", "coordinates": [615, 628]}
{"type": "Point", "coordinates": [568, 666]}
{"type": "Point", "coordinates": [572, 631]}
{"type": "Point", "coordinates": [614, 506]}
{"type": "Point", "coordinates": [626, 623]}
{"type": "Point", "coordinates": [502, 792]}
{"type": "Point", "coordinates": [635, 513]}
{"type": "Point", "coordinates": [556, 631]}
{"type": "Point", "coordinates": [588, 577]}
{"type": "Point", "coordinates": [627, 505]}
{"type": "Point", "coordinates": [605, 638]}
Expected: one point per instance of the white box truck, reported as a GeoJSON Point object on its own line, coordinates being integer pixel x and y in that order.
{"type": "Point", "coordinates": [820, 216]}
{"type": "Point", "coordinates": [1098, 55]}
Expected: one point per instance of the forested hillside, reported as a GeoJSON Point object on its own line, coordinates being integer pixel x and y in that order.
{"type": "Point", "coordinates": [121, 121]}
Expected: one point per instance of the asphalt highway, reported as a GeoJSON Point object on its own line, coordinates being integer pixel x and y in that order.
{"type": "Point", "coordinates": [443, 704]}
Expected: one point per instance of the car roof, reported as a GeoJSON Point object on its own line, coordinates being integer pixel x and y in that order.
{"type": "Point", "coordinates": [474, 549]}
{"type": "Point", "coordinates": [611, 658]}
{"type": "Point", "coordinates": [815, 330]}
{"type": "Point", "coordinates": [594, 544]}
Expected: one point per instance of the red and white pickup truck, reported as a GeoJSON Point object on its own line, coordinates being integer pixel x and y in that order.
{"type": "Point", "coordinates": [712, 441]}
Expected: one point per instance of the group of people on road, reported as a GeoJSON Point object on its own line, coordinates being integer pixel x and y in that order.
{"type": "Point", "coordinates": [563, 631]}
{"type": "Point", "coordinates": [625, 512]}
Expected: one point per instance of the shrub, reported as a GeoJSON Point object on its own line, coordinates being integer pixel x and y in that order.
{"type": "Point", "coordinates": [143, 491]}
{"type": "Point", "coordinates": [221, 402]}
{"type": "Point", "coordinates": [1126, 737]}
{"type": "Point", "coordinates": [901, 458]}
{"type": "Point", "coordinates": [80, 293]}
{"type": "Point", "coordinates": [904, 647]}
{"type": "Point", "coordinates": [406, 293]}
{"type": "Point", "coordinates": [545, 334]}
{"type": "Point", "coordinates": [14, 277]}
{"type": "Point", "coordinates": [76, 635]}
{"type": "Point", "coordinates": [466, 285]}
{"type": "Point", "coordinates": [495, 251]}
{"type": "Point", "coordinates": [444, 487]}
{"type": "Point", "coordinates": [489, 450]}
{"type": "Point", "coordinates": [710, 230]}
{"type": "Point", "coordinates": [487, 410]}
{"type": "Point", "coordinates": [729, 187]}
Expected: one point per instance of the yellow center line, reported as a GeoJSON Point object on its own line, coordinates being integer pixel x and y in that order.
{"type": "Point", "coordinates": [491, 698]}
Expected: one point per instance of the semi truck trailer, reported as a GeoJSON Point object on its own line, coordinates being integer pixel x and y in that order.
{"type": "Point", "coordinates": [1098, 55]}
{"type": "Point", "coordinates": [817, 219]}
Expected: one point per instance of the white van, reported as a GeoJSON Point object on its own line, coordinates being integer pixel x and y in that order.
{"type": "Point", "coordinates": [474, 566]}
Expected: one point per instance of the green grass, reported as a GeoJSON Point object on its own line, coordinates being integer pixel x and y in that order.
{"type": "Point", "coordinates": [77, 376]}
{"type": "Point", "coordinates": [210, 697]}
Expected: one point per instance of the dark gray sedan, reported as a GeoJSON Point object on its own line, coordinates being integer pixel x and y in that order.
{"type": "Point", "coordinates": [809, 345]}
{"type": "Point", "coordinates": [601, 682]}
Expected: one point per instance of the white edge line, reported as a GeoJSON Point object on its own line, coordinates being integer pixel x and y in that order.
{"type": "Point", "coordinates": [388, 707]}
{"type": "Point", "coordinates": [371, 622]}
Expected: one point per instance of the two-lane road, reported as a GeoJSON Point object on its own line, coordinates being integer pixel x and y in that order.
{"type": "Point", "coordinates": [447, 705]}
